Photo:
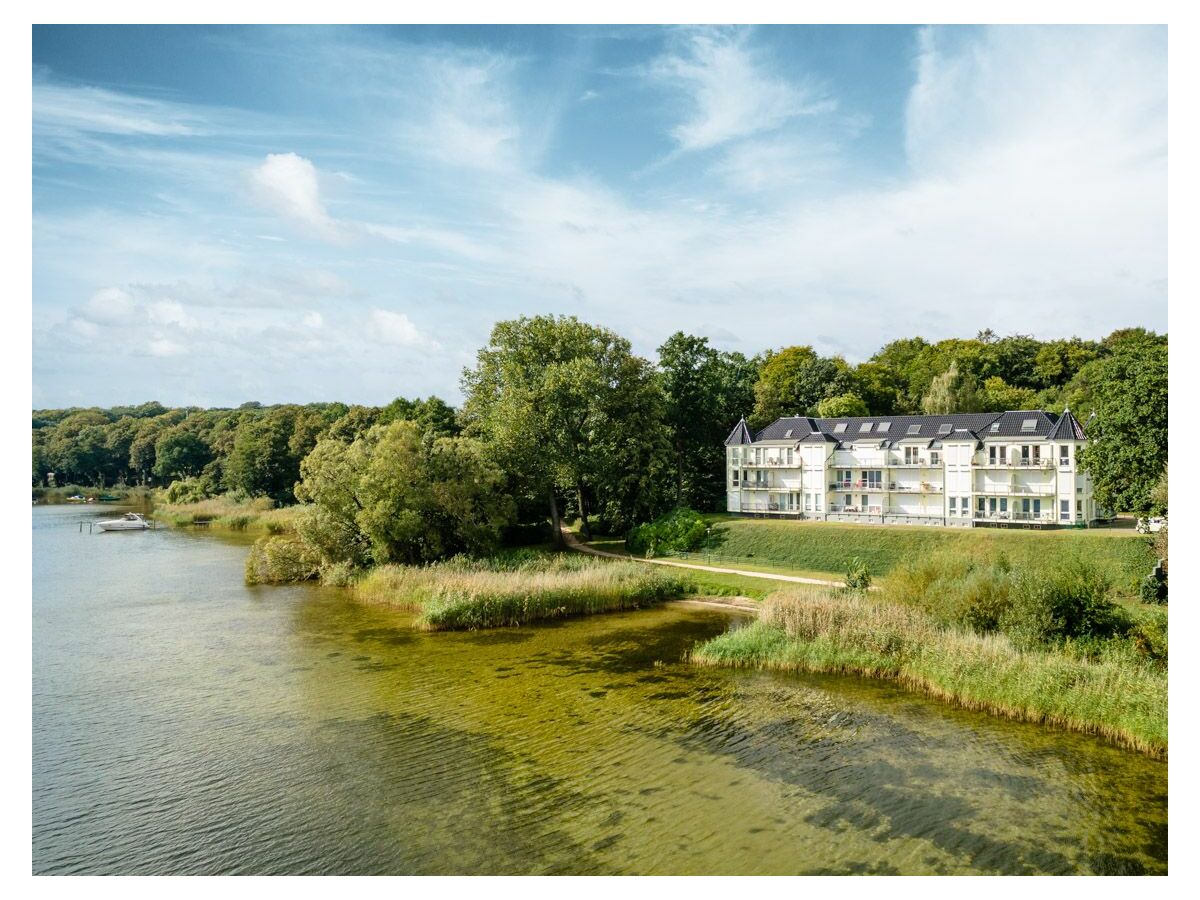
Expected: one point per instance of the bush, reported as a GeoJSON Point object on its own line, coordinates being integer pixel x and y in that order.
{"type": "Point", "coordinates": [279, 560]}
{"type": "Point", "coordinates": [1149, 635]}
{"type": "Point", "coordinates": [679, 531]}
{"type": "Point", "coordinates": [1069, 601]}
{"type": "Point", "coordinates": [858, 576]}
{"type": "Point", "coordinates": [191, 490]}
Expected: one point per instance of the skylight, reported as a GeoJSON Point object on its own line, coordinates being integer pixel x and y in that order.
{"type": "Point", "coordinates": [864, 427]}
{"type": "Point", "coordinates": [788, 433]}
{"type": "Point", "coordinates": [1029, 425]}
{"type": "Point", "coordinates": [839, 427]}
{"type": "Point", "coordinates": [883, 426]}
{"type": "Point", "coordinates": [945, 428]}
{"type": "Point", "coordinates": [995, 426]}
{"type": "Point", "coordinates": [914, 429]}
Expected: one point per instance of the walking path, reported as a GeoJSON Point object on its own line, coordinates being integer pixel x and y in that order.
{"type": "Point", "coordinates": [575, 544]}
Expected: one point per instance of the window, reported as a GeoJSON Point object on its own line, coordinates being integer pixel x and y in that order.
{"type": "Point", "coordinates": [914, 429]}
{"type": "Point", "coordinates": [981, 505]}
{"type": "Point", "coordinates": [1064, 510]}
{"type": "Point", "coordinates": [935, 458]}
{"type": "Point", "coordinates": [808, 502]}
{"type": "Point", "coordinates": [864, 427]}
{"type": "Point", "coordinates": [788, 433]}
{"type": "Point", "coordinates": [1078, 509]}
{"type": "Point", "coordinates": [1003, 504]}
{"type": "Point", "coordinates": [1025, 507]}
{"type": "Point", "coordinates": [735, 477]}
{"type": "Point", "coordinates": [1029, 425]}
{"type": "Point", "coordinates": [1064, 455]}
{"type": "Point", "coordinates": [1037, 452]}
{"type": "Point", "coordinates": [1003, 453]}
{"type": "Point", "coordinates": [817, 497]}
{"type": "Point", "coordinates": [789, 456]}
{"type": "Point", "coordinates": [945, 428]}
{"type": "Point", "coordinates": [874, 479]}
{"type": "Point", "coordinates": [1024, 453]}
{"type": "Point", "coordinates": [737, 455]}
{"type": "Point", "coordinates": [966, 506]}
{"type": "Point", "coordinates": [992, 454]}
{"type": "Point", "coordinates": [839, 428]}
{"type": "Point", "coordinates": [953, 506]}
{"type": "Point", "coordinates": [883, 426]}
{"type": "Point", "coordinates": [995, 426]}
{"type": "Point", "coordinates": [865, 502]}
{"type": "Point", "coordinates": [849, 501]}
{"type": "Point", "coordinates": [1037, 508]}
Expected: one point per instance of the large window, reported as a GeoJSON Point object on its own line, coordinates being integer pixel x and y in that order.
{"type": "Point", "coordinates": [935, 458]}
{"type": "Point", "coordinates": [1064, 455]}
{"type": "Point", "coordinates": [1064, 510]}
{"type": "Point", "coordinates": [953, 506]}
{"type": "Point", "coordinates": [789, 456]}
{"type": "Point", "coordinates": [873, 479]}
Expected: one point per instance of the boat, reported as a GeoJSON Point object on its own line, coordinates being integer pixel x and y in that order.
{"type": "Point", "coordinates": [128, 522]}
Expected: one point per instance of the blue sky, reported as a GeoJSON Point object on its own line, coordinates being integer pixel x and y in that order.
{"type": "Point", "coordinates": [301, 214]}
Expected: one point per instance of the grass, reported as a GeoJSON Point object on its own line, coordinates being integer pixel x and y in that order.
{"type": "Point", "coordinates": [826, 549]}
{"type": "Point", "coordinates": [259, 516]}
{"type": "Point", "coordinates": [516, 590]}
{"type": "Point", "coordinates": [818, 630]}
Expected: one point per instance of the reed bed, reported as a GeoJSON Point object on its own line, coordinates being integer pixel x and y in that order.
{"type": "Point", "coordinates": [821, 631]}
{"type": "Point", "coordinates": [494, 594]}
{"type": "Point", "coordinates": [258, 515]}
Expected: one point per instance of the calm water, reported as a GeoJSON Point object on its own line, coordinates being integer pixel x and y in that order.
{"type": "Point", "coordinates": [185, 723]}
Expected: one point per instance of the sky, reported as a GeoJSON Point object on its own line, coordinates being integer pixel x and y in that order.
{"type": "Point", "coordinates": [299, 214]}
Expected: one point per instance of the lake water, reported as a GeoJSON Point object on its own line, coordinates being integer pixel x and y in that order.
{"type": "Point", "coordinates": [186, 723]}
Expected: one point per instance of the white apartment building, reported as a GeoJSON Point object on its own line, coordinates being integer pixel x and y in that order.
{"type": "Point", "coordinates": [1010, 469]}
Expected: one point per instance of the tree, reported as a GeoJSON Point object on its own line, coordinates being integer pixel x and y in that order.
{"type": "Point", "coordinates": [841, 406]}
{"type": "Point", "coordinates": [881, 388]}
{"type": "Point", "coordinates": [1128, 449]}
{"type": "Point", "coordinates": [555, 399]}
{"type": "Point", "coordinates": [705, 392]}
{"type": "Point", "coordinates": [794, 380]}
{"type": "Point", "coordinates": [396, 494]}
{"type": "Point", "coordinates": [261, 462]}
{"type": "Point", "coordinates": [998, 396]}
{"type": "Point", "coordinates": [952, 392]}
{"type": "Point", "coordinates": [179, 453]}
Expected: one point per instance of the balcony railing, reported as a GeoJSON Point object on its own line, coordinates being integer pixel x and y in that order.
{"type": "Point", "coordinates": [1017, 463]}
{"type": "Point", "coordinates": [878, 487]}
{"type": "Point", "coordinates": [867, 510]}
{"type": "Point", "coordinates": [1017, 490]}
{"type": "Point", "coordinates": [1011, 516]}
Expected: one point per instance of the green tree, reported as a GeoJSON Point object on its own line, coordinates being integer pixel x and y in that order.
{"type": "Point", "coordinates": [554, 398]}
{"type": "Point", "coordinates": [842, 405]}
{"type": "Point", "coordinates": [794, 380]}
{"type": "Point", "coordinates": [999, 396]}
{"type": "Point", "coordinates": [179, 453]}
{"type": "Point", "coordinates": [1128, 449]}
{"type": "Point", "coordinates": [952, 392]}
{"type": "Point", "coordinates": [705, 391]}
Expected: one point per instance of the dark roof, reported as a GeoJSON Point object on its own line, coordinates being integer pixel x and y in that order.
{"type": "Point", "coordinates": [1068, 428]}
{"type": "Point", "coordinates": [913, 429]}
{"type": "Point", "coordinates": [739, 435]}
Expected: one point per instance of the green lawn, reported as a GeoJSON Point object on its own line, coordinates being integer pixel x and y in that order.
{"type": "Point", "coordinates": [822, 547]}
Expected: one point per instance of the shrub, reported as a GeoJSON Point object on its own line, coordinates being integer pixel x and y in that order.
{"type": "Point", "coordinates": [1068, 601]}
{"type": "Point", "coordinates": [338, 574]}
{"type": "Point", "coordinates": [191, 490]}
{"type": "Point", "coordinates": [1149, 635]}
{"type": "Point", "coordinates": [858, 576]}
{"type": "Point", "coordinates": [679, 531]}
{"type": "Point", "coordinates": [278, 560]}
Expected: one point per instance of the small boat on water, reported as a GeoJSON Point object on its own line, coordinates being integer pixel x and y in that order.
{"type": "Point", "coordinates": [128, 522]}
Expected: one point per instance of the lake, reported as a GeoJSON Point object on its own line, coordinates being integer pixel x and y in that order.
{"type": "Point", "coordinates": [186, 723]}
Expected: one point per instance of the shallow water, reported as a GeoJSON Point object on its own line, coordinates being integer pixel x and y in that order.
{"type": "Point", "coordinates": [186, 723]}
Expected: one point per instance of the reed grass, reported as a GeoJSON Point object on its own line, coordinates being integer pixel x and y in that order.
{"type": "Point", "coordinates": [259, 515]}
{"type": "Point", "coordinates": [492, 593]}
{"type": "Point", "coordinates": [821, 631]}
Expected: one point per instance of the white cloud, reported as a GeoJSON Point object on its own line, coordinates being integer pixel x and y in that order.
{"type": "Point", "coordinates": [161, 346]}
{"type": "Point", "coordinates": [313, 320]}
{"type": "Point", "coordinates": [732, 93]}
{"type": "Point", "coordinates": [92, 109]}
{"type": "Point", "coordinates": [288, 185]}
{"type": "Point", "coordinates": [396, 328]}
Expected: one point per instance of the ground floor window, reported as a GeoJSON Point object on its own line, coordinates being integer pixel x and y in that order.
{"type": "Point", "coordinates": [953, 506]}
{"type": "Point", "coordinates": [808, 502]}
{"type": "Point", "coordinates": [817, 498]}
{"type": "Point", "coordinates": [966, 506]}
{"type": "Point", "coordinates": [1064, 510]}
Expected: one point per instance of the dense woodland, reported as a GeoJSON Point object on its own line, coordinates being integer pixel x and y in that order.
{"type": "Point", "coordinates": [561, 417]}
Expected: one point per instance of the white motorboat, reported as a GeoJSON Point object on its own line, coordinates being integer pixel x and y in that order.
{"type": "Point", "coordinates": [128, 522]}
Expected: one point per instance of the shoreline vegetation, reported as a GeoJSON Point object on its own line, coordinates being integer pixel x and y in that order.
{"type": "Point", "coordinates": [819, 632]}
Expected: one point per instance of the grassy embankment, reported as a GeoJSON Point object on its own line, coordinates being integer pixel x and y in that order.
{"type": "Point", "coordinates": [515, 590]}
{"type": "Point", "coordinates": [825, 549]}
{"type": "Point", "coordinates": [259, 516]}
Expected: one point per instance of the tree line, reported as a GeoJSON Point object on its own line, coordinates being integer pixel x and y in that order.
{"type": "Point", "coordinates": [561, 419]}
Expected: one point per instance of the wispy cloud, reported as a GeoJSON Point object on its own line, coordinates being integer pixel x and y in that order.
{"type": "Point", "coordinates": [731, 91]}
{"type": "Point", "coordinates": [288, 185]}
{"type": "Point", "coordinates": [93, 109]}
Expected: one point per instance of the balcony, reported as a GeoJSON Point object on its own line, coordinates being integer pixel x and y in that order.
{"type": "Point", "coordinates": [769, 464]}
{"type": "Point", "coordinates": [1017, 490]}
{"type": "Point", "coordinates": [1017, 463]}
{"type": "Point", "coordinates": [1011, 516]}
{"type": "Point", "coordinates": [867, 510]}
{"type": "Point", "coordinates": [875, 486]}
{"type": "Point", "coordinates": [878, 487]}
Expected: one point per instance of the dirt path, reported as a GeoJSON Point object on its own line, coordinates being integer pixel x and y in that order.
{"type": "Point", "coordinates": [574, 543]}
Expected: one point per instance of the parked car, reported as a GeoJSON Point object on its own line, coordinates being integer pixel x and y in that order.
{"type": "Point", "coordinates": [1151, 525]}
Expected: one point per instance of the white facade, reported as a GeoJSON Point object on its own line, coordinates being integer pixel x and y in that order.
{"type": "Point", "coordinates": [916, 470]}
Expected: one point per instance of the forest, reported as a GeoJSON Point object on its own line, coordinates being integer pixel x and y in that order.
{"type": "Point", "coordinates": [562, 419]}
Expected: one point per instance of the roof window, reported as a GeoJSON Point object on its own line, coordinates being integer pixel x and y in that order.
{"type": "Point", "coordinates": [883, 426]}
{"type": "Point", "coordinates": [995, 426]}
{"type": "Point", "coordinates": [945, 428]}
{"type": "Point", "coordinates": [864, 427]}
{"type": "Point", "coordinates": [1029, 425]}
{"type": "Point", "coordinates": [839, 428]}
{"type": "Point", "coordinates": [788, 433]}
{"type": "Point", "coordinates": [914, 429]}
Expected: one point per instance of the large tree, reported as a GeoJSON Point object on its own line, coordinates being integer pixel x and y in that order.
{"type": "Point", "coordinates": [557, 400]}
{"type": "Point", "coordinates": [1128, 451]}
{"type": "Point", "coordinates": [705, 392]}
{"type": "Point", "coordinates": [794, 380]}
